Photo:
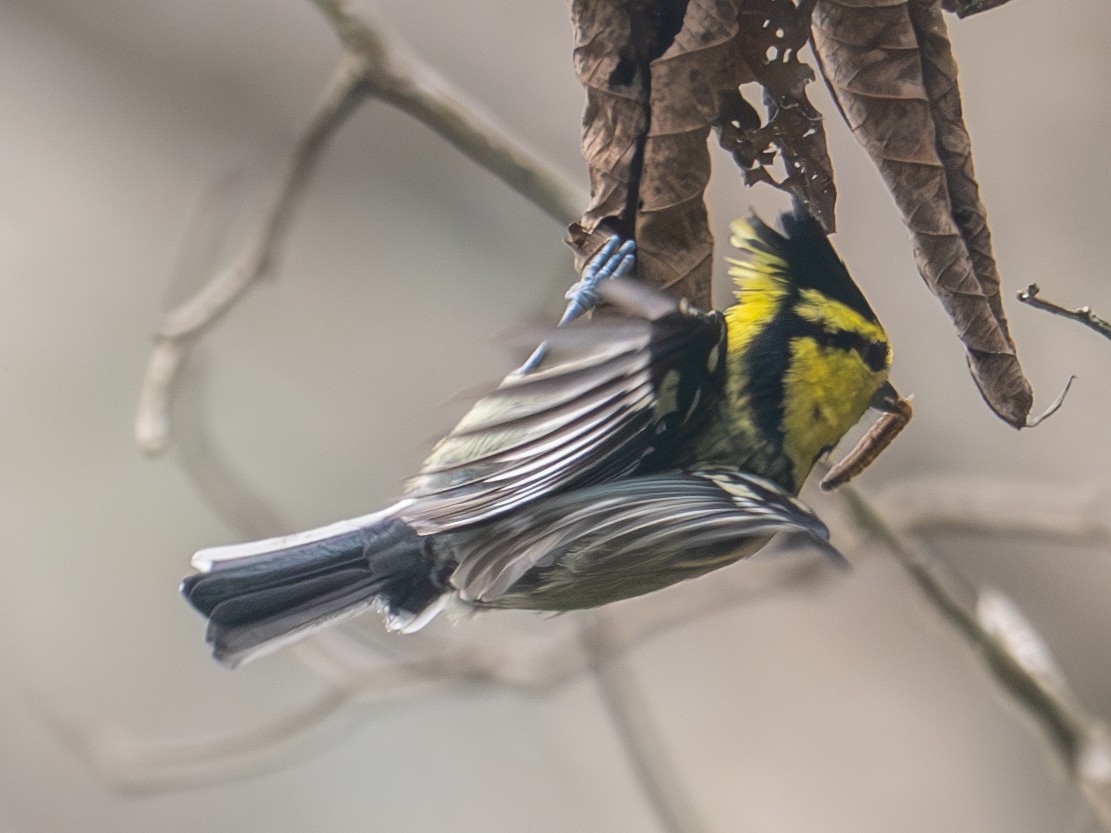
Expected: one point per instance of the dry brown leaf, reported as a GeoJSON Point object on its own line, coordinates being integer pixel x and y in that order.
{"type": "Point", "coordinates": [772, 33]}
{"type": "Point", "coordinates": [891, 69]}
{"type": "Point", "coordinates": [654, 74]}
{"type": "Point", "coordinates": [658, 74]}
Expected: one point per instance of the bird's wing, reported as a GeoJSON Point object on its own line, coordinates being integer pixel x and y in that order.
{"type": "Point", "coordinates": [591, 546]}
{"type": "Point", "coordinates": [610, 395]}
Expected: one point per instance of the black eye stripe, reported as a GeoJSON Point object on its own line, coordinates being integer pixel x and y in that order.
{"type": "Point", "coordinates": [874, 353]}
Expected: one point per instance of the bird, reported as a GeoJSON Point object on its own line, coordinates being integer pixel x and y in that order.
{"type": "Point", "coordinates": [635, 449]}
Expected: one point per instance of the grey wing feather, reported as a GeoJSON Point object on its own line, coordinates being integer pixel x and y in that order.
{"type": "Point", "coordinates": [588, 413]}
{"type": "Point", "coordinates": [594, 545]}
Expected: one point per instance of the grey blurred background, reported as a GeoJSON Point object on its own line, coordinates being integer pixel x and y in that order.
{"type": "Point", "coordinates": [137, 138]}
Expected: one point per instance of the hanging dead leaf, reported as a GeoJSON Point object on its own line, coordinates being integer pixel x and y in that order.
{"type": "Point", "coordinates": [891, 69]}
{"type": "Point", "coordinates": [654, 73]}
{"type": "Point", "coordinates": [658, 73]}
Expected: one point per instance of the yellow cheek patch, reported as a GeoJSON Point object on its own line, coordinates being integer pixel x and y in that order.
{"type": "Point", "coordinates": [825, 392]}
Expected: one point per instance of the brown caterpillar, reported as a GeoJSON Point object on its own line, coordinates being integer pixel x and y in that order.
{"type": "Point", "coordinates": [882, 433]}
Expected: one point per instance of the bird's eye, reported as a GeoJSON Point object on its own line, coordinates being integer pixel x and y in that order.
{"type": "Point", "coordinates": [875, 356]}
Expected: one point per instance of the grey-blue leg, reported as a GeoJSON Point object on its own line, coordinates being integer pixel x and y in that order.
{"type": "Point", "coordinates": [614, 260]}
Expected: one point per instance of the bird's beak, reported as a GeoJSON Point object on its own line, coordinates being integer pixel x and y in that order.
{"type": "Point", "coordinates": [887, 399]}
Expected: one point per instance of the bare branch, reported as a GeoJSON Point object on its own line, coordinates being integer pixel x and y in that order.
{"type": "Point", "coordinates": [181, 327]}
{"type": "Point", "coordinates": [355, 671]}
{"type": "Point", "coordinates": [371, 66]}
{"type": "Point", "coordinates": [1057, 513]}
{"type": "Point", "coordinates": [143, 765]}
{"type": "Point", "coordinates": [1082, 314]}
{"type": "Point", "coordinates": [1012, 650]}
{"type": "Point", "coordinates": [392, 73]}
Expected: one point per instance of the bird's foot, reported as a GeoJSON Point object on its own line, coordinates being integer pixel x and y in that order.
{"type": "Point", "coordinates": [616, 259]}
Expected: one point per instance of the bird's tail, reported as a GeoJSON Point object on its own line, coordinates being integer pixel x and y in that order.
{"type": "Point", "coordinates": [263, 595]}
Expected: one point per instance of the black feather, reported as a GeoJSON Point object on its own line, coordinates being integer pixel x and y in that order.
{"type": "Point", "coordinates": [811, 259]}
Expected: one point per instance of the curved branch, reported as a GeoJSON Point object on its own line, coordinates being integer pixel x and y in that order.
{"type": "Point", "coordinates": [1011, 649]}
{"type": "Point", "coordinates": [356, 671]}
{"type": "Point", "coordinates": [392, 73]}
{"type": "Point", "coordinates": [1057, 513]}
{"type": "Point", "coordinates": [372, 66]}
{"type": "Point", "coordinates": [142, 765]}
{"type": "Point", "coordinates": [181, 327]}
{"type": "Point", "coordinates": [632, 718]}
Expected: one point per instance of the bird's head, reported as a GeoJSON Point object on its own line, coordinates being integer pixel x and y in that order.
{"type": "Point", "coordinates": [809, 353]}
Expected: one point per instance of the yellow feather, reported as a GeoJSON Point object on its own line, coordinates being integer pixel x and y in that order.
{"type": "Point", "coordinates": [825, 392]}
{"type": "Point", "coordinates": [760, 285]}
{"type": "Point", "coordinates": [835, 316]}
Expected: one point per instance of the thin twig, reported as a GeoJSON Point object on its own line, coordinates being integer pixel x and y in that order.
{"type": "Point", "coordinates": [1084, 315]}
{"type": "Point", "coordinates": [144, 765]}
{"type": "Point", "coordinates": [374, 67]}
{"type": "Point", "coordinates": [1054, 512]}
{"type": "Point", "coordinates": [1013, 652]}
{"type": "Point", "coordinates": [181, 327]}
{"type": "Point", "coordinates": [632, 718]}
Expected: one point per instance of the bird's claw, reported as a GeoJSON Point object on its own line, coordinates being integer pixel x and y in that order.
{"type": "Point", "coordinates": [616, 259]}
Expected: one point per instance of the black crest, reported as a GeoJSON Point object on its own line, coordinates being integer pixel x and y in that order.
{"type": "Point", "coordinates": [811, 260]}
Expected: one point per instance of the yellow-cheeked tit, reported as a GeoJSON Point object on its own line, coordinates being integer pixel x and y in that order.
{"type": "Point", "coordinates": [645, 447]}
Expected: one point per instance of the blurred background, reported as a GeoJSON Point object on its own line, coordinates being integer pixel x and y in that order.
{"type": "Point", "coordinates": [140, 140]}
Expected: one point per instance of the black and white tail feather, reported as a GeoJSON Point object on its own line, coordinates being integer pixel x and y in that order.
{"type": "Point", "coordinates": [263, 595]}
